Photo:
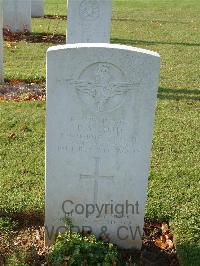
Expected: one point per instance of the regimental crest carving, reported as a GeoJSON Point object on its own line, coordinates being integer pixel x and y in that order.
{"type": "Point", "coordinates": [102, 87]}
{"type": "Point", "coordinates": [89, 9]}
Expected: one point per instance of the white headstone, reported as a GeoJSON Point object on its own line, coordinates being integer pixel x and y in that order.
{"type": "Point", "coordinates": [1, 42]}
{"type": "Point", "coordinates": [17, 15]}
{"type": "Point", "coordinates": [89, 21]}
{"type": "Point", "coordinates": [100, 114]}
{"type": "Point", "coordinates": [37, 8]}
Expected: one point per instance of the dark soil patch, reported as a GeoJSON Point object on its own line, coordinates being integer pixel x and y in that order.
{"type": "Point", "coordinates": [34, 37]}
{"type": "Point", "coordinates": [23, 219]}
{"type": "Point", "coordinates": [55, 17]}
{"type": "Point", "coordinates": [21, 91]}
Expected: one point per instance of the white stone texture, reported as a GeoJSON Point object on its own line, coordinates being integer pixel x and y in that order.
{"type": "Point", "coordinates": [100, 111]}
{"type": "Point", "coordinates": [37, 8]}
{"type": "Point", "coordinates": [17, 15]}
{"type": "Point", "coordinates": [1, 42]}
{"type": "Point", "coordinates": [89, 21]}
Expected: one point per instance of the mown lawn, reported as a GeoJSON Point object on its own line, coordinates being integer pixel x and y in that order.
{"type": "Point", "coordinates": [168, 27]}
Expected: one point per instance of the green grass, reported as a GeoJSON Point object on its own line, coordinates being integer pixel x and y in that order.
{"type": "Point", "coordinates": [174, 184]}
{"type": "Point", "coordinates": [168, 27]}
{"type": "Point", "coordinates": [57, 7]}
{"type": "Point", "coordinates": [22, 157]}
{"type": "Point", "coordinates": [25, 61]}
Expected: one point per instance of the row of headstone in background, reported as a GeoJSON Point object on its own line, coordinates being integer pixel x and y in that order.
{"type": "Point", "coordinates": [17, 14]}
{"type": "Point", "coordinates": [17, 18]}
{"type": "Point", "coordinates": [1, 42]}
{"type": "Point", "coordinates": [37, 8]}
{"type": "Point", "coordinates": [91, 24]}
{"type": "Point", "coordinates": [100, 114]}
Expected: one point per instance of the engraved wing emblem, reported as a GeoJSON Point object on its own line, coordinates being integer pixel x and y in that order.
{"type": "Point", "coordinates": [91, 89]}
{"type": "Point", "coordinates": [102, 93]}
{"type": "Point", "coordinates": [100, 90]}
{"type": "Point", "coordinates": [121, 88]}
{"type": "Point", "coordinates": [87, 87]}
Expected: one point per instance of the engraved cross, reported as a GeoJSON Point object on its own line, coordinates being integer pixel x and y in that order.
{"type": "Point", "coordinates": [96, 176]}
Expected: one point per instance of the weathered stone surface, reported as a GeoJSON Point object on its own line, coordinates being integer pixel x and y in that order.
{"type": "Point", "coordinates": [37, 8]}
{"type": "Point", "coordinates": [89, 21]}
{"type": "Point", "coordinates": [100, 111]}
{"type": "Point", "coordinates": [17, 15]}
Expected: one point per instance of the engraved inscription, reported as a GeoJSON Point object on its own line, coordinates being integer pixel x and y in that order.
{"type": "Point", "coordinates": [103, 87]}
{"type": "Point", "coordinates": [96, 177]}
{"type": "Point", "coordinates": [104, 136]}
{"type": "Point", "coordinates": [89, 10]}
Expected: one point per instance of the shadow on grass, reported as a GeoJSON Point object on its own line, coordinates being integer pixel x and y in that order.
{"type": "Point", "coordinates": [24, 219]}
{"type": "Point", "coordinates": [151, 21]}
{"type": "Point", "coordinates": [62, 17]}
{"type": "Point", "coordinates": [178, 94]}
{"type": "Point", "coordinates": [44, 37]}
{"type": "Point", "coordinates": [189, 254]}
{"type": "Point", "coordinates": [145, 42]}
